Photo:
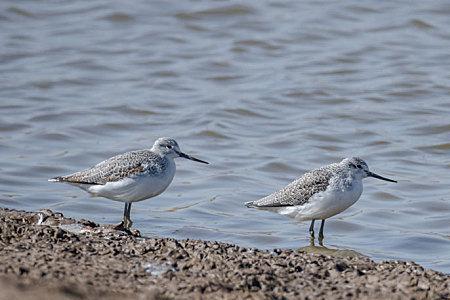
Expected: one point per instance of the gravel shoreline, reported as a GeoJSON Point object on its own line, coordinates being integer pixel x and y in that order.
{"type": "Point", "coordinates": [63, 258]}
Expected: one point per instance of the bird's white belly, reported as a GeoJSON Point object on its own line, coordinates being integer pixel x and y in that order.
{"type": "Point", "coordinates": [132, 189]}
{"type": "Point", "coordinates": [324, 204]}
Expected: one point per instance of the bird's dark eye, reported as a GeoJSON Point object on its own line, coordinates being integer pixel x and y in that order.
{"type": "Point", "coordinates": [169, 147]}
{"type": "Point", "coordinates": [359, 166]}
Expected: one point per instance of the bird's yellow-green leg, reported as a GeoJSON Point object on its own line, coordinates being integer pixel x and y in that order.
{"type": "Point", "coordinates": [322, 225]}
{"type": "Point", "coordinates": [311, 229]}
{"type": "Point", "coordinates": [127, 223]}
{"type": "Point", "coordinates": [311, 234]}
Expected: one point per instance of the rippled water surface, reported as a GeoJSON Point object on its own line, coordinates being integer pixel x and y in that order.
{"type": "Point", "coordinates": [264, 90]}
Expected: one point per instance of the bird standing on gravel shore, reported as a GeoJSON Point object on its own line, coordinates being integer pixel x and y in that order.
{"type": "Point", "coordinates": [321, 193]}
{"type": "Point", "coordinates": [132, 176]}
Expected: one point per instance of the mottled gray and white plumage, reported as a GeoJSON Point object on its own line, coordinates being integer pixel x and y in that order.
{"type": "Point", "coordinates": [129, 164]}
{"type": "Point", "coordinates": [132, 176]}
{"type": "Point", "coordinates": [299, 191]}
{"type": "Point", "coordinates": [320, 193]}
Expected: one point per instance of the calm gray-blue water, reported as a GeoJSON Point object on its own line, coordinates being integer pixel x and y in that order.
{"type": "Point", "coordinates": [263, 90]}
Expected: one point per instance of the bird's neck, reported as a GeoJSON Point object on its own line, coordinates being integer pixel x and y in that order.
{"type": "Point", "coordinates": [348, 179]}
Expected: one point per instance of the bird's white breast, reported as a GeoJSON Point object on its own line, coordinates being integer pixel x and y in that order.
{"type": "Point", "coordinates": [136, 188]}
{"type": "Point", "coordinates": [334, 200]}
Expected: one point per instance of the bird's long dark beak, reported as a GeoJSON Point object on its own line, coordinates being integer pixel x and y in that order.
{"type": "Point", "coordinates": [370, 174]}
{"type": "Point", "coordinates": [184, 155]}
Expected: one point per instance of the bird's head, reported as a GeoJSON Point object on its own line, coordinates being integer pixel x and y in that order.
{"type": "Point", "coordinates": [169, 147]}
{"type": "Point", "coordinates": [359, 168]}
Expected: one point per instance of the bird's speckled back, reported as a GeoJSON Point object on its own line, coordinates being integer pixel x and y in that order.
{"type": "Point", "coordinates": [121, 166]}
{"type": "Point", "coordinates": [299, 191]}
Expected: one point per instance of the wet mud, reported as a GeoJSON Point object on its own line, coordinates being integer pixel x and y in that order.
{"type": "Point", "coordinates": [44, 255]}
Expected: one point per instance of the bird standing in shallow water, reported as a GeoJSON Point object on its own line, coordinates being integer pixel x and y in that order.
{"type": "Point", "coordinates": [132, 176]}
{"type": "Point", "coordinates": [320, 193]}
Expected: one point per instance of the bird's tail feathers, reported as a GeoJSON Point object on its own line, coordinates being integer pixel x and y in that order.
{"type": "Point", "coordinates": [250, 204]}
{"type": "Point", "coordinates": [56, 179]}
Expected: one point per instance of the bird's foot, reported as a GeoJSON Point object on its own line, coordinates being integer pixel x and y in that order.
{"type": "Point", "coordinates": [127, 223]}
{"type": "Point", "coordinates": [134, 232]}
{"type": "Point", "coordinates": [320, 239]}
{"type": "Point", "coordinates": [321, 243]}
{"type": "Point", "coordinates": [122, 227]}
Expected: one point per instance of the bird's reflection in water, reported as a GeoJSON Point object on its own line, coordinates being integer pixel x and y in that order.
{"type": "Point", "coordinates": [321, 249]}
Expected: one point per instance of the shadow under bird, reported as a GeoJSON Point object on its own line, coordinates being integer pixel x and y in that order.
{"type": "Point", "coordinates": [132, 176]}
{"type": "Point", "coordinates": [320, 193]}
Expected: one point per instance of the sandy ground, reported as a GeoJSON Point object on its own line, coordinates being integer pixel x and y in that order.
{"type": "Point", "coordinates": [62, 258]}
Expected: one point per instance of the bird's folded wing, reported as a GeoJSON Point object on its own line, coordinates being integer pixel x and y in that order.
{"type": "Point", "coordinates": [114, 169]}
{"type": "Point", "coordinates": [297, 192]}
